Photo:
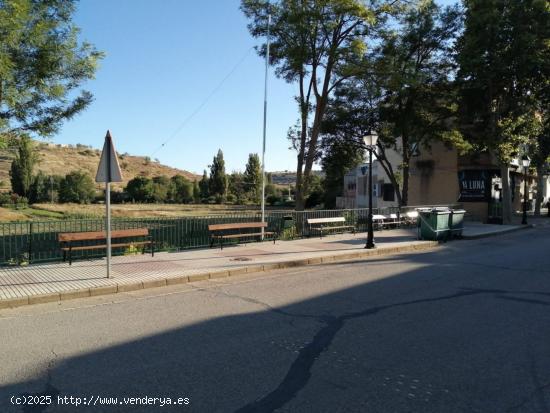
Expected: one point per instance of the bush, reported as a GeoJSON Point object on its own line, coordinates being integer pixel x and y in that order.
{"type": "Point", "coordinates": [77, 187]}
{"type": "Point", "coordinates": [140, 189]}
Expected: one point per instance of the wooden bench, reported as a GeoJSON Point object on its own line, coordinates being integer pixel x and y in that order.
{"type": "Point", "coordinates": [326, 224]}
{"type": "Point", "coordinates": [221, 232]}
{"type": "Point", "coordinates": [68, 239]}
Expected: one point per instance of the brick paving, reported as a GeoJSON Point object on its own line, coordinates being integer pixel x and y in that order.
{"type": "Point", "coordinates": [38, 279]}
{"type": "Point", "coordinates": [56, 281]}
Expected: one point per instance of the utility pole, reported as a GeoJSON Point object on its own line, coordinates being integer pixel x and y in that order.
{"type": "Point", "coordinates": [265, 121]}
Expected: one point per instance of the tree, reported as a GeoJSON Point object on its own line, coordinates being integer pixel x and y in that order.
{"type": "Point", "coordinates": [181, 190]}
{"type": "Point", "coordinates": [405, 93]}
{"type": "Point", "coordinates": [77, 186]}
{"type": "Point", "coordinates": [42, 66]}
{"type": "Point", "coordinates": [238, 188]}
{"type": "Point", "coordinates": [140, 189]}
{"type": "Point", "coordinates": [161, 188]}
{"type": "Point", "coordinates": [414, 71]}
{"type": "Point", "coordinates": [339, 157]}
{"type": "Point", "coordinates": [504, 59]}
{"type": "Point", "coordinates": [21, 172]}
{"type": "Point", "coordinates": [196, 192]}
{"type": "Point", "coordinates": [253, 177]}
{"type": "Point", "coordinates": [217, 184]}
{"type": "Point", "coordinates": [40, 190]}
{"type": "Point", "coordinates": [317, 193]}
{"type": "Point", "coordinates": [204, 186]}
{"type": "Point", "coordinates": [317, 44]}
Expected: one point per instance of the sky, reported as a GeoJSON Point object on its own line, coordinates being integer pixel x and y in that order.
{"type": "Point", "coordinates": [183, 73]}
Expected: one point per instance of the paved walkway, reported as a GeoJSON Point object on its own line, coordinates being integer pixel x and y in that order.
{"type": "Point", "coordinates": [51, 282]}
{"type": "Point", "coordinates": [58, 281]}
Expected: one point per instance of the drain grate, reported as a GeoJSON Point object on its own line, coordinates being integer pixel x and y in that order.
{"type": "Point", "coordinates": [241, 259]}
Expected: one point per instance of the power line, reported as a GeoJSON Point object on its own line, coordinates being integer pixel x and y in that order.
{"type": "Point", "coordinates": [203, 103]}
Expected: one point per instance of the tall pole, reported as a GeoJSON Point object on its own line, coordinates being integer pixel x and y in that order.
{"type": "Point", "coordinates": [524, 219]}
{"type": "Point", "coordinates": [265, 121]}
{"type": "Point", "coordinates": [108, 225]}
{"type": "Point", "coordinates": [370, 234]}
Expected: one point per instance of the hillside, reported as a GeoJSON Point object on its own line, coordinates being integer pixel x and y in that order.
{"type": "Point", "coordinates": [288, 178]}
{"type": "Point", "coordinates": [55, 159]}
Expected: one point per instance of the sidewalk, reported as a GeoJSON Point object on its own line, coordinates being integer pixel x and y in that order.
{"type": "Point", "coordinates": [38, 283]}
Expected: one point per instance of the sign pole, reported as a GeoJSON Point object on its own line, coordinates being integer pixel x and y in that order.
{"type": "Point", "coordinates": [108, 171]}
{"type": "Point", "coordinates": [108, 225]}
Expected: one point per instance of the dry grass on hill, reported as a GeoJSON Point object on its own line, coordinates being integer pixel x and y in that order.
{"type": "Point", "coordinates": [58, 160]}
{"type": "Point", "coordinates": [142, 210]}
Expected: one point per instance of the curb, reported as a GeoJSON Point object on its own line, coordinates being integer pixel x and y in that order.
{"type": "Point", "coordinates": [127, 287]}
{"type": "Point", "coordinates": [494, 234]}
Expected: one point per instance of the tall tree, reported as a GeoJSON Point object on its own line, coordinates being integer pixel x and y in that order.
{"type": "Point", "coordinates": [504, 58]}
{"type": "Point", "coordinates": [253, 177]}
{"type": "Point", "coordinates": [42, 66]}
{"type": "Point", "coordinates": [203, 186]}
{"type": "Point", "coordinates": [405, 91]}
{"type": "Point", "coordinates": [22, 167]}
{"type": "Point", "coordinates": [218, 180]}
{"type": "Point", "coordinates": [317, 44]}
{"type": "Point", "coordinates": [414, 71]}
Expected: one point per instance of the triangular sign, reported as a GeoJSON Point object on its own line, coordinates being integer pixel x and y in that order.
{"type": "Point", "coordinates": [109, 169]}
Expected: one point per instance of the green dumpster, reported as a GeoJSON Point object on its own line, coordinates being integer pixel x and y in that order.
{"type": "Point", "coordinates": [456, 222]}
{"type": "Point", "coordinates": [433, 224]}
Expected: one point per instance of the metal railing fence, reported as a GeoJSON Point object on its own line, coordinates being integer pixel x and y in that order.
{"type": "Point", "coordinates": [37, 241]}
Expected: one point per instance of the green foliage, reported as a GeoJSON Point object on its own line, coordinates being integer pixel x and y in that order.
{"type": "Point", "coordinates": [161, 187]}
{"type": "Point", "coordinates": [217, 184]}
{"type": "Point", "coordinates": [289, 233]}
{"type": "Point", "coordinates": [252, 178]}
{"type": "Point", "coordinates": [77, 186]}
{"type": "Point", "coordinates": [140, 189]}
{"type": "Point", "coordinates": [196, 192]}
{"type": "Point", "coordinates": [317, 193]}
{"type": "Point", "coordinates": [42, 66]}
{"type": "Point", "coordinates": [181, 190]}
{"type": "Point", "coordinates": [21, 172]}
{"type": "Point", "coordinates": [133, 249]}
{"type": "Point", "coordinates": [204, 186]}
{"type": "Point", "coordinates": [41, 189]}
{"type": "Point", "coordinates": [504, 58]}
{"type": "Point", "coordinates": [339, 157]}
{"type": "Point", "coordinates": [316, 44]}
{"type": "Point", "coordinates": [237, 188]}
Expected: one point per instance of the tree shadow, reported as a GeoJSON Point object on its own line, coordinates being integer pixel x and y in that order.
{"type": "Point", "coordinates": [347, 350]}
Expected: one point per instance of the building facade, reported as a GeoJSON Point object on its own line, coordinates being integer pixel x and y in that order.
{"type": "Point", "coordinates": [440, 176]}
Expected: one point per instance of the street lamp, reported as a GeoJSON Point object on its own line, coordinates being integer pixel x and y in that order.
{"type": "Point", "coordinates": [370, 143]}
{"type": "Point", "coordinates": [525, 163]}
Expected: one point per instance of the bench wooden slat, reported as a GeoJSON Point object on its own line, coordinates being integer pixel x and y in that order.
{"type": "Point", "coordinates": [321, 228]}
{"type": "Point", "coordinates": [102, 246]}
{"type": "Point", "coordinates": [325, 220]}
{"type": "Point", "coordinates": [251, 234]}
{"type": "Point", "coordinates": [97, 235]}
{"type": "Point", "coordinates": [237, 225]}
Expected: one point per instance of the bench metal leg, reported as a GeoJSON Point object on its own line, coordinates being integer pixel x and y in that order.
{"type": "Point", "coordinates": [70, 255]}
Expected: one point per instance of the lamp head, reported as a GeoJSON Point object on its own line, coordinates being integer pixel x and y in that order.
{"type": "Point", "coordinates": [370, 139]}
{"type": "Point", "coordinates": [525, 161]}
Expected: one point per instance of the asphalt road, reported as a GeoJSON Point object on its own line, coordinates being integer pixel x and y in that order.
{"type": "Point", "coordinates": [464, 328]}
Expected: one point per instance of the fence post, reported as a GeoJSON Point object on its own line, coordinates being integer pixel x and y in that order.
{"type": "Point", "coordinates": [30, 241]}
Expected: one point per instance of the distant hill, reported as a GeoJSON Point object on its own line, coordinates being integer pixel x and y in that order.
{"type": "Point", "coordinates": [288, 178]}
{"type": "Point", "coordinates": [56, 159]}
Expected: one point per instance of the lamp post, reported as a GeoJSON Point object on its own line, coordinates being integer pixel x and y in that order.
{"type": "Point", "coordinates": [525, 163]}
{"type": "Point", "coordinates": [370, 143]}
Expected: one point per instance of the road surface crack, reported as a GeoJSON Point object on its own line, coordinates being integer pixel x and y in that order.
{"type": "Point", "coordinates": [299, 372]}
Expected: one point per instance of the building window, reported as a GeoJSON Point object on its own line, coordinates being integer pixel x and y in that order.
{"type": "Point", "coordinates": [388, 192]}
